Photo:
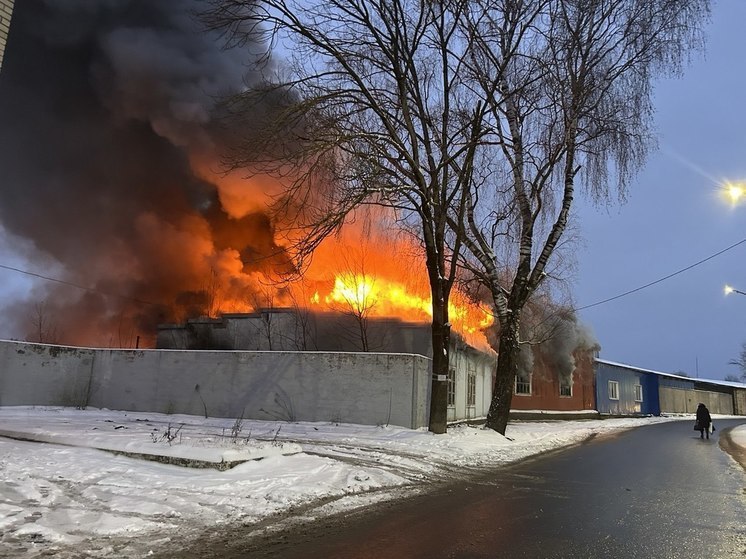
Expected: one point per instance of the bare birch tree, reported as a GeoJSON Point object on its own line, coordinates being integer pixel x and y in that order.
{"type": "Point", "coordinates": [741, 364]}
{"type": "Point", "coordinates": [568, 84]}
{"type": "Point", "coordinates": [371, 108]}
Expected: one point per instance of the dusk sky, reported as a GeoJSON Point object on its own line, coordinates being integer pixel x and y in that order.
{"type": "Point", "coordinates": [675, 216]}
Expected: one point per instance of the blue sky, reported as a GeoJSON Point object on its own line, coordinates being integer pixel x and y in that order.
{"type": "Point", "coordinates": [674, 217]}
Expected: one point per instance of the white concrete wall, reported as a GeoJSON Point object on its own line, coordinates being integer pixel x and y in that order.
{"type": "Point", "coordinates": [365, 388]}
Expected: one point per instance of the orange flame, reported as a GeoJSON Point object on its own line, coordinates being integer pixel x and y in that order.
{"type": "Point", "coordinates": [366, 294]}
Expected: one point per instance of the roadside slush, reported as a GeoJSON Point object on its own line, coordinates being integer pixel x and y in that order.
{"type": "Point", "coordinates": [733, 441]}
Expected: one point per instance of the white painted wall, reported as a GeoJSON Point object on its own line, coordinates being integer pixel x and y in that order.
{"type": "Point", "coordinates": [365, 388]}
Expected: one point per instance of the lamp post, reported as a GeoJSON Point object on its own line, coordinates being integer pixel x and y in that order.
{"type": "Point", "coordinates": [729, 290]}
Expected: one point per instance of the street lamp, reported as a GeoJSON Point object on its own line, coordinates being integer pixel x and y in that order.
{"type": "Point", "coordinates": [729, 290]}
{"type": "Point", "coordinates": [734, 192]}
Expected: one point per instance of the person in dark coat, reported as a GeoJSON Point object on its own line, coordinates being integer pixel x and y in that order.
{"type": "Point", "coordinates": [703, 421]}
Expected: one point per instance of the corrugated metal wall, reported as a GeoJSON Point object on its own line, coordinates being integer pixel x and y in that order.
{"type": "Point", "coordinates": [626, 380]}
{"type": "Point", "coordinates": [739, 401]}
{"type": "Point", "coordinates": [662, 393]}
{"type": "Point", "coordinates": [678, 400]}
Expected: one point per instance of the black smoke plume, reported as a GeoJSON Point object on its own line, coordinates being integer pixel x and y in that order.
{"type": "Point", "coordinates": [110, 169]}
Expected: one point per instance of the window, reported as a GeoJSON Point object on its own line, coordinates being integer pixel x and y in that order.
{"type": "Point", "coordinates": [471, 383]}
{"type": "Point", "coordinates": [565, 388]}
{"type": "Point", "coordinates": [638, 393]}
{"type": "Point", "coordinates": [523, 384]}
{"type": "Point", "coordinates": [613, 390]}
{"type": "Point", "coordinates": [451, 387]}
{"type": "Point", "coordinates": [471, 389]}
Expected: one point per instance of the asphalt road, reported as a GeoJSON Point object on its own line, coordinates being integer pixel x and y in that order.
{"type": "Point", "coordinates": [656, 492]}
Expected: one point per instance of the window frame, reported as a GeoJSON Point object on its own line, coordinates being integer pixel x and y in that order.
{"type": "Point", "coordinates": [526, 382]}
{"type": "Point", "coordinates": [638, 393]}
{"type": "Point", "coordinates": [613, 390]}
{"type": "Point", "coordinates": [451, 397]}
{"type": "Point", "coordinates": [569, 386]}
{"type": "Point", "coordinates": [471, 390]}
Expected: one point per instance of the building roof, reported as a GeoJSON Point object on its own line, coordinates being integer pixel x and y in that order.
{"type": "Point", "coordinates": [671, 375]}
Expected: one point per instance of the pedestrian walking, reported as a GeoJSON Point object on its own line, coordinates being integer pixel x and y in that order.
{"type": "Point", "coordinates": [703, 421]}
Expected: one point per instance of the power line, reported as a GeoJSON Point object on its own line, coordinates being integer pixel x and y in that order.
{"type": "Point", "coordinates": [78, 286]}
{"type": "Point", "coordinates": [676, 273]}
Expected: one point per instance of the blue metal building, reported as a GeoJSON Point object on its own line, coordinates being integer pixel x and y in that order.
{"type": "Point", "coordinates": [626, 390]}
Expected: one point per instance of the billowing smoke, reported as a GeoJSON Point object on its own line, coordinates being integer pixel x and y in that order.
{"type": "Point", "coordinates": [525, 360]}
{"type": "Point", "coordinates": [563, 336]}
{"type": "Point", "coordinates": [552, 337]}
{"type": "Point", "coordinates": [110, 173]}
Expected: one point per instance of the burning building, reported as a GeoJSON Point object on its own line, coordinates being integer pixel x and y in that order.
{"type": "Point", "coordinates": [116, 200]}
{"type": "Point", "coordinates": [471, 372]}
{"type": "Point", "coordinates": [557, 372]}
{"type": "Point", "coordinates": [114, 195]}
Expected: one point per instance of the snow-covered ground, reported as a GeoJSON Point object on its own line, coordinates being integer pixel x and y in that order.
{"type": "Point", "coordinates": [99, 491]}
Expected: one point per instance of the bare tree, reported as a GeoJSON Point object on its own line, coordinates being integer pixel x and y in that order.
{"type": "Point", "coordinates": [304, 334]}
{"type": "Point", "coordinates": [568, 84]}
{"type": "Point", "coordinates": [372, 108]}
{"type": "Point", "coordinates": [355, 293]}
{"type": "Point", "coordinates": [262, 301]}
{"type": "Point", "coordinates": [43, 324]}
{"type": "Point", "coordinates": [213, 295]}
{"type": "Point", "coordinates": [740, 363]}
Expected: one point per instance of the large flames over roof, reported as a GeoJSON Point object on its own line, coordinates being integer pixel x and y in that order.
{"type": "Point", "coordinates": [112, 182]}
{"type": "Point", "coordinates": [369, 276]}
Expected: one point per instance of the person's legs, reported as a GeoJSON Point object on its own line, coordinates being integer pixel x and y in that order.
{"type": "Point", "coordinates": [707, 432]}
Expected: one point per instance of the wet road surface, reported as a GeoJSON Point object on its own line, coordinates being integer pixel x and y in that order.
{"type": "Point", "coordinates": [653, 492]}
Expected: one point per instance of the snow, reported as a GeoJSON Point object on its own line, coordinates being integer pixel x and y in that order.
{"type": "Point", "coordinates": [94, 481]}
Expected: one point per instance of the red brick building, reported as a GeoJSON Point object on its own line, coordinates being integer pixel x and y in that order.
{"type": "Point", "coordinates": [546, 390]}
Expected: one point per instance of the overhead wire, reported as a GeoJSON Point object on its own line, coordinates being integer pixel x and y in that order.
{"type": "Point", "coordinates": [664, 278]}
{"type": "Point", "coordinates": [78, 286]}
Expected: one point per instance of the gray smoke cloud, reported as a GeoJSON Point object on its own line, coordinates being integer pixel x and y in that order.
{"type": "Point", "coordinates": [564, 335]}
{"type": "Point", "coordinates": [551, 335]}
{"type": "Point", "coordinates": [108, 151]}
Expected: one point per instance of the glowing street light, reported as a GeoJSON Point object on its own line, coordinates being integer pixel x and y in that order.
{"type": "Point", "coordinates": [734, 192]}
{"type": "Point", "coordinates": [729, 290]}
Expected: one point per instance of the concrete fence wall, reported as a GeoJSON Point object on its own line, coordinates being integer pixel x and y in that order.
{"type": "Point", "coordinates": [365, 388]}
{"type": "Point", "coordinates": [677, 400]}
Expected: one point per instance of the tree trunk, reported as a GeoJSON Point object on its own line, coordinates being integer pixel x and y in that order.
{"type": "Point", "coordinates": [441, 336]}
{"type": "Point", "coordinates": [507, 367]}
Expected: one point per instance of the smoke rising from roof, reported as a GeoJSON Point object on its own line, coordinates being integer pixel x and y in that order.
{"type": "Point", "coordinates": [553, 335]}
{"type": "Point", "coordinates": [565, 336]}
{"type": "Point", "coordinates": [108, 151]}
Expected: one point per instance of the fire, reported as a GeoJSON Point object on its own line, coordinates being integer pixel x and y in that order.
{"type": "Point", "coordinates": [367, 295]}
{"type": "Point", "coordinates": [365, 270]}
{"type": "Point", "coordinates": [376, 296]}
{"type": "Point", "coordinates": [172, 234]}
